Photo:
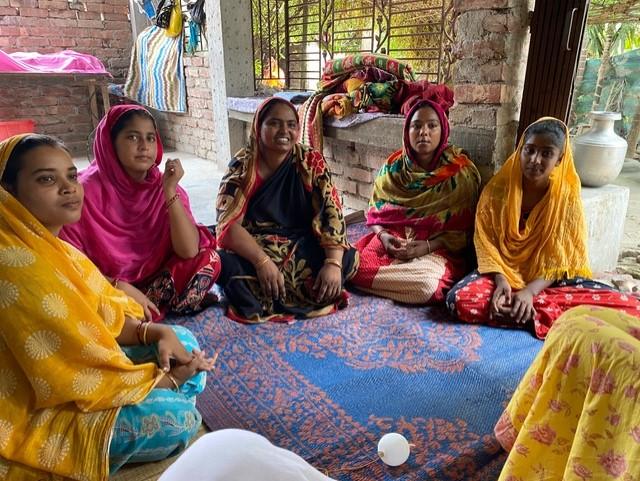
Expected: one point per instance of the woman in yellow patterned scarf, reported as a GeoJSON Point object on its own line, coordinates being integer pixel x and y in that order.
{"type": "Point", "coordinates": [576, 415]}
{"type": "Point", "coordinates": [531, 241]}
{"type": "Point", "coordinates": [73, 404]}
{"type": "Point", "coordinates": [420, 213]}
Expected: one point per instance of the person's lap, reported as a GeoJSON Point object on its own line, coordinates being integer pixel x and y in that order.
{"type": "Point", "coordinates": [164, 422]}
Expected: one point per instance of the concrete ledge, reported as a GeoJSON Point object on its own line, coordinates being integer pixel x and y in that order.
{"type": "Point", "coordinates": [369, 143]}
{"type": "Point", "coordinates": [244, 116]}
{"type": "Point", "coordinates": [605, 210]}
{"type": "Point", "coordinates": [386, 132]}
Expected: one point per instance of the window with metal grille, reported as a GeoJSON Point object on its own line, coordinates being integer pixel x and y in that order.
{"type": "Point", "coordinates": [292, 39]}
{"type": "Point", "coordinates": [198, 43]}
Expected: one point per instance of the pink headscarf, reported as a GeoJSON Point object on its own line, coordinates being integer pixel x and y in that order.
{"type": "Point", "coordinates": [444, 130]}
{"type": "Point", "coordinates": [124, 227]}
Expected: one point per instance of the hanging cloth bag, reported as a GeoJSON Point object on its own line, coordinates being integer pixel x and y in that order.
{"type": "Point", "coordinates": [175, 23]}
{"type": "Point", "coordinates": [163, 16]}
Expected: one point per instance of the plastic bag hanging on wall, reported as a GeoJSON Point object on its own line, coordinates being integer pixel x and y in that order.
{"type": "Point", "coordinates": [146, 8]}
{"type": "Point", "coordinates": [194, 37]}
{"type": "Point", "coordinates": [164, 13]}
{"type": "Point", "coordinates": [196, 12]}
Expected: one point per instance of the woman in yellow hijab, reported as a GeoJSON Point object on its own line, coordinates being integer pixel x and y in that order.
{"type": "Point", "coordinates": [73, 403]}
{"type": "Point", "coordinates": [531, 241]}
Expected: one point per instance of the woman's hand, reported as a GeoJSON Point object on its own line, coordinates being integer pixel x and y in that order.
{"type": "Point", "coordinates": [394, 246]}
{"type": "Point", "coordinates": [328, 283]}
{"type": "Point", "coordinates": [169, 346]}
{"type": "Point", "coordinates": [522, 310]}
{"type": "Point", "coordinates": [147, 306]}
{"type": "Point", "coordinates": [416, 248]}
{"type": "Point", "coordinates": [501, 299]}
{"type": "Point", "coordinates": [271, 279]}
{"type": "Point", "coordinates": [198, 363]}
{"type": "Point", "coordinates": [173, 172]}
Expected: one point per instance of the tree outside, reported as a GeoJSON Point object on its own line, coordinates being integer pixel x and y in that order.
{"type": "Point", "coordinates": [293, 38]}
{"type": "Point", "coordinates": [611, 77]}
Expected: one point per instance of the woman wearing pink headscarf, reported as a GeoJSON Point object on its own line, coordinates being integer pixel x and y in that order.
{"type": "Point", "coordinates": [136, 224]}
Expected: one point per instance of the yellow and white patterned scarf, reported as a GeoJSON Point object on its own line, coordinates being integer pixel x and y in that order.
{"type": "Point", "coordinates": [63, 376]}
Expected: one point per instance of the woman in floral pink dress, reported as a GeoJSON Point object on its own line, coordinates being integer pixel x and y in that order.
{"type": "Point", "coordinates": [576, 413]}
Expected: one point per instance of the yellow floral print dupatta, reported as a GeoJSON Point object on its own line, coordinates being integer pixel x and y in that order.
{"type": "Point", "coordinates": [63, 376]}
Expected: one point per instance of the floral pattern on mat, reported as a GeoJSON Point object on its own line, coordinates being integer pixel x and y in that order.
{"type": "Point", "coordinates": [331, 401]}
{"type": "Point", "coordinates": [379, 339]}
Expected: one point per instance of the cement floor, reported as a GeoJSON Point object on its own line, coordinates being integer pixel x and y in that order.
{"type": "Point", "coordinates": [630, 249]}
{"type": "Point", "coordinates": [630, 177]}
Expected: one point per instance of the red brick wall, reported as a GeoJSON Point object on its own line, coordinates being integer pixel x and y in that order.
{"type": "Point", "coordinates": [354, 168]}
{"type": "Point", "coordinates": [45, 26]}
{"type": "Point", "coordinates": [61, 108]}
{"type": "Point", "coordinates": [58, 108]}
{"type": "Point", "coordinates": [193, 132]}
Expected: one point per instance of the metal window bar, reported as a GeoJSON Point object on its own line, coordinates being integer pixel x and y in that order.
{"type": "Point", "coordinates": [292, 39]}
{"type": "Point", "coordinates": [202, 39]}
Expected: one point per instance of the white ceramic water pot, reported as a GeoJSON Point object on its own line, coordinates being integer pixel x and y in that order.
{"type": "Point", "coordinates": [599, 153]}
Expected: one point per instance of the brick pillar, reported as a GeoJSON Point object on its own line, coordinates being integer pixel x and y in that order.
{"type": "Point", "coordinates": [492, 41]}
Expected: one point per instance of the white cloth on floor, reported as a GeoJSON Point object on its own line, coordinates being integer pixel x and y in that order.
{"type": "Point", "coordinates": [237, 455]}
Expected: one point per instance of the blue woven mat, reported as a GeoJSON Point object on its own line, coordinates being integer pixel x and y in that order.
{"type": "Point", "coordinates": [329, 388]}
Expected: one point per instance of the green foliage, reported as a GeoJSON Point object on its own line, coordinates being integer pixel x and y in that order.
{"type": "Point", "coordinates": [624, 37]}
{"type": "Point", "coordinates": [595, 41]}
{"type": "Point", "coordinates": [324, 29]}
{"type": "Point", "coordinates": [624, 75]}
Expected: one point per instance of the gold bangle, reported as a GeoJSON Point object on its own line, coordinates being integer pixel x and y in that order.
{"type": "Point", "coordinates": [175, 197]}
{"type": "Point", "coordinates": [335, 262]}
{"type": "Point", "coordinates": [262, 262]}
{"type": "Point", "coordinates": [380, 232]}
{"type": "Point", "coordinates": [139, 331]}
{"type": "Point", "coordinates": [144, 333]}
{"type": "Point", "coordinates": [428, 247]}
{"type": "Point", "coordinates": [173, 380]}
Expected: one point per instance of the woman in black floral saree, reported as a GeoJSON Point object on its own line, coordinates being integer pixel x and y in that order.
{"type": "Point", "coordinates": [284, 252]}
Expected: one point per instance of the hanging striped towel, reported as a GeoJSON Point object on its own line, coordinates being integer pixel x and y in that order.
{"type": "Point", "coordinates": [156, 75]}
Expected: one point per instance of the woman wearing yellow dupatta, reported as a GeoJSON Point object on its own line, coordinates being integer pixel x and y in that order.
{"type": "Point", "coordinates": [575, 415]}
{"type": "Point", "coordinates": [73, 405]}
{"type": "Point", "coordinates": [421, 214]}
{"type": "Point", "coordinates": [531, 241]}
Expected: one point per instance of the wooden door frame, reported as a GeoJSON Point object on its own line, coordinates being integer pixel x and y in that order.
{"type": "Point", "coordinates": [552, 62]}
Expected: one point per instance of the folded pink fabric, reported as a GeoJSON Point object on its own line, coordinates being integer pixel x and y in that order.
{"type": "Point", "coordinates": [66, 61]}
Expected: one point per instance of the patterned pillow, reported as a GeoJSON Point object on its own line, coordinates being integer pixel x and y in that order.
{"type": "Point", "coordinates": [340, 66]}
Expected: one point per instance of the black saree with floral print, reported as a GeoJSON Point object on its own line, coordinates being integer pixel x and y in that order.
{"type": "Point", "coordinates": [292, 216]}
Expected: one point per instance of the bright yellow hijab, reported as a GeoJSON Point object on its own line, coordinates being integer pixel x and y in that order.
{"type": "Point", "coordinates": [553, 243]}
{"type": "Point", "coordinates": [63, 376]}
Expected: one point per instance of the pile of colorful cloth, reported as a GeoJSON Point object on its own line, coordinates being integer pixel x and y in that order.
{"type": "Point", "coordinates": [365, 83]}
